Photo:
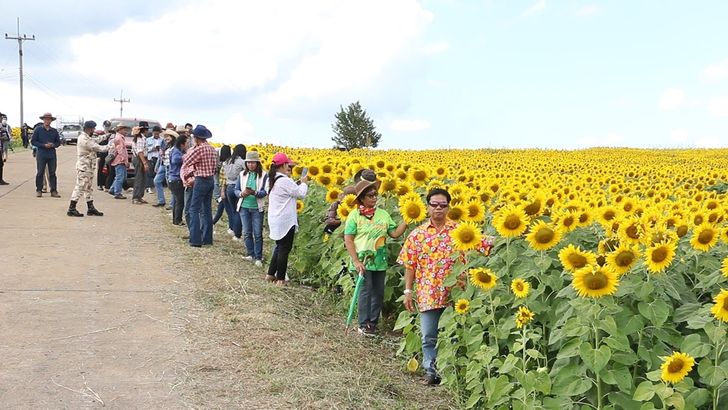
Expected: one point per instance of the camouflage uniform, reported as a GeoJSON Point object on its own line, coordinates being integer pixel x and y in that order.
{"type": "Point", "coordinates": [86, 147]}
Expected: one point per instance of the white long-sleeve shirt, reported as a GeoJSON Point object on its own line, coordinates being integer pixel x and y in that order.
{"type": "Point", "coordinates": [282, 198]}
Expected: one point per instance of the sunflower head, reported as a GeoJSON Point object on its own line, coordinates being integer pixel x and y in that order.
{"type": "Point", "coordinates": [676, 367]}
{"type": "Point", "coordinates": [483, 278]}
{"type": "Point", "coordinates": [595, 281]}
{"type": "Point", "coordinates": [474, 211]}
{"type": "Point", "coordinates": [462, 306]}
{"type": "Point", "coordinates": [523, 316]}
{"type": "Point", "coordinates": [333, 195]}
{"type": "Point", "coordinates": [343, 212]}
{"type": "Point", "coordinates": [720, 306]}
{"type": "Point", "coordinates": [412, 210]}
{"type": "Point", "coordinates": [510, 221]}
{"type": "Point", "coordinates": [466, 236]}
{"type": "Point", "coordinates": [573, 258]}
{"type": "Point", "coordinates": [520, 287]}
{"type": "Point", "coordinates": [704, 237]}
{"type": "Point", "coordinates": [622, 259]}
{"type": "Point", "coordinates": [457, 211]}
{"type": "Point", "coordinates": [299, 206]}
{"type": "Point", "coordinates": [349, 201]}
{"type": "Point", "coordinates": [543, 236]}
{"type": "Point", "coordinates": [724, 267]}
{"type": "Point", "coordinates": [659, 256]}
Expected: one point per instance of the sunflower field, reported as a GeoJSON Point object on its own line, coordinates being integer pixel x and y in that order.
{"type": "Point", "coordinates": [605, 288]}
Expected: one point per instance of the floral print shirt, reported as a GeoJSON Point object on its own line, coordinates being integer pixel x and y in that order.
{"type": "Point", "coordinates": [431, 254]}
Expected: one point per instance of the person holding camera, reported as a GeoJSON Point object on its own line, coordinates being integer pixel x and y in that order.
{"type": "Point", "coordinates": [250, 189]}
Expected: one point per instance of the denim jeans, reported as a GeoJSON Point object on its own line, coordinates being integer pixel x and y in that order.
{"type": "Point", "coordinates": [140, 178]}
{"type": "Point", "coordinates": [231, 203]}
{"type": "Point", "coordinates": [178, 201]}
{"type": "Point", "coordinates": [159, 184]}
{"type": "Point", "coordinates": [429, 320]}
{"type": "Point", "coordinates": [201, 212]}
{"type": "Point", "coordinates": [188, 198]}
{"type": "Point", "coordinates": [252, 221]}
{"type": "Point", "coordinates": [371, 297]}
{"type": "Point", "coordinates": [119, 178]}
{"type": "Point", "coordinates": [43, 161]}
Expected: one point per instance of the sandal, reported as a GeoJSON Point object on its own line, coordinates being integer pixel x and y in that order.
{"type": "Point", "coordinates": [270, 278]}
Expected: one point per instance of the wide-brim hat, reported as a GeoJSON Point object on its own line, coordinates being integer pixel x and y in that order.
{"type": "Point", "coordinates": [143, 125]}
{"type": "Point", "coordinates": [252, 156]}
{"type": "Point", "coordinates": [349, 190]}
{"type": "Point", "coordinates": [363, 185]}
{"type": "Point", "coordinates": [120, 126]}
{"type": "Point", "coordinates": [201, 132]}
{"type": "Point", "coordinates": [47, 115]}
{"type": "Point", "coordinates": [170, 132]}
{"type": "Point", "coordinates": [181, 128]}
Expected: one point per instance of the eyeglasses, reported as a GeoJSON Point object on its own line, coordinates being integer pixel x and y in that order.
{"type": "Point", "coordinates": [372, 195]}
{"type": "Point", "coordinates": [439, 205]}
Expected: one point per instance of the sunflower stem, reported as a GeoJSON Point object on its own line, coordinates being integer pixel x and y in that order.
{"type": "Point", "coordinates": [716, 389]}
{"type": "Point", "coordinates": [596, 347]}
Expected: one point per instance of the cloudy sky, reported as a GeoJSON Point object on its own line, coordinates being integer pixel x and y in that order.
{"type": "Point", "coordinates": [431, 73]}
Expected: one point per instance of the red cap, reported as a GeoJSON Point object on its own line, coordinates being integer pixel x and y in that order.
{"type": "Point", "coordinates": [280, 158]}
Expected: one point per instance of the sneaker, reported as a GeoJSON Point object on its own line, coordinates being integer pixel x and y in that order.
{"type": "Point", "coordinates": [167, 208]}
{"type": "Point", "coordinates": [230, 232]}
{"type": "Point", "coordinates": [237, 239]}
{"type": "Point", "coordinates": [157, 205]}
{"type": "Point", "coordinates": [364, 331]}
{"type": "Point", "coordinates": [55, 194]}
{"type": "Point", "coordinates": [149, 190]}
{"type": "Point", "coordinates": [258, 263]}
{"type": "Point", "coordinates": [38, 194]}
{"type": "Point", "coordinates": [432, 379]}
{"type": "Point", "coordinates": [119, 196]}
{"type": "Point", "coordinates": [247, 258]}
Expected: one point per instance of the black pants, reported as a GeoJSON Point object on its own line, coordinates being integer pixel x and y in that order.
{"type": "Point", "coordinates": [371, 297]}
{"type": "Point", "coordinates": [140, 179]}
{"type": "Point", "coordinates": [151, 174]}
{"type": "Point", "coordinates": [44, 161]}
{"type": "Point", "coordinates": [100, 176]}
{"type": "Point", "coordinates": [2, 165]}
{"type": "Point", "coordinates": [110, 177]}
{"type": "Point", "coordinates": [279, 260]}
{"type": "Point", "coordinates": [178, 195]}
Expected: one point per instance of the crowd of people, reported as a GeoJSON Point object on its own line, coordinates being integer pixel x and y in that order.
{"type": "Point", "coordinates": [197, 175]}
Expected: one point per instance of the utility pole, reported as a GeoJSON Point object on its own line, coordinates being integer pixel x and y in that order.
{"type": "Point", "coordinates": [20, 53]}
{"type": "Point", "coordinates": [121, 102]}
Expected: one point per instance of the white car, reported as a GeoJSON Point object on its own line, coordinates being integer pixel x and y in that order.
{"type": "Point", "coordinates": [69, 133]}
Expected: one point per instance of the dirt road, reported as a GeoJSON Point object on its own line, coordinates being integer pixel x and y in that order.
{"type": "Point", "coordinates": [85, 312]}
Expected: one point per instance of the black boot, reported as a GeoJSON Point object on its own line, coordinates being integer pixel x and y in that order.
{"type": "Point", "coordinates": [72, 209]}
{"type": "Point", "coordinates": [92, 211]}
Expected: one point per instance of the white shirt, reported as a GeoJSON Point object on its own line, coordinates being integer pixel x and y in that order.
{"type": "Point", "coordinates": [282, 198]}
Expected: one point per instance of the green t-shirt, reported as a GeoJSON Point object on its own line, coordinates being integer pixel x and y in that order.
{"type": "Point", "coordinates": [369, 237]}
{"type": "Point", "coordinates": [250, 201]}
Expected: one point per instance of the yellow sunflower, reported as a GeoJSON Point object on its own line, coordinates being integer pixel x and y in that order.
{"type": "Point", "coordinates": [332, 195]}
{"type": "Point", "coordinates": [474, 211]}
{"type": "Point", "coordinates": [466, 236]}
{"type": "Point", "coordinates": [299, 206]}
{"type": "Point", "coordinates": [660, 256]}
{"type": "Point", "coordinates": [456, 212]}
{"type": "Point", "coordinates": [388, 185]}
{"type": "Point", "coordinates": [349, 201]}
{"type": "Point", "coordinates": [566, 221]}
{"type": "Point", "coordinates": [462, 306]}
{"type": "Point", "coordinates": [543, 236]}
{"type": "Point", "coordinates": [676, 367]}
{"type": "Point", "coordinates": [724, 267]}
{"type": "Point", "coordinates": [720, 308]}
{"type": "Point", "coordinates": [403, 188]}
{"type": "Point", "coordinates": [704, 237]}
{"type": "Point", "coordinates": [326, 180]}
{"type": "Point", "coordinates": [520, 287]}
{"type": "Point", "coordinates": [523, 316]}
{"type": "Point", "coordinates": [623, 258]}
{"type": "Point", "coordinates": [483, 278]}
{"type": "Point", "coordinates": [413, 210]}
{"type": "Point", "coordinates": [510, 221]}
{"type": "Point", "coordinates": [343, 212]}
{"type": "Point", "coordinates": [595, 281]}
{"type": "Point", "coordinates": [573, 258]}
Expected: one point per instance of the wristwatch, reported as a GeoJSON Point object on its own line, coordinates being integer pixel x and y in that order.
{"type": "Point", "coordinates": [407, 291]}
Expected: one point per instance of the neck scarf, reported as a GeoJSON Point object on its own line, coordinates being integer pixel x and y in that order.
{"type": "Point", "coordinates": [366, 212]}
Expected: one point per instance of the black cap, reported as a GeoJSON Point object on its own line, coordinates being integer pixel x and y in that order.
{"type": "Point", "coordinates": [143, 124]}
{"type": "Point", "coordinates": [156, 128]}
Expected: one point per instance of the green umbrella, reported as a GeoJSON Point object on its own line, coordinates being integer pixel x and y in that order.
{"type": "Point", "coordinates": [354, 298]}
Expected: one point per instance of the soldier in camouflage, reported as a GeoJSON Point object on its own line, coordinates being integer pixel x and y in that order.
{"type": "Point", "coordinates": [87, 147]}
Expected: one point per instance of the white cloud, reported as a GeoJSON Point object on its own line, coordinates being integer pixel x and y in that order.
{"type": "Point", "coordinates": [587, 10]}
{"type": "Point", "coordinates": [287, 52]}
{"type": "Point", "coordinates": [716, 71]}
{"type": "Point", "coordinates": [236, 130]}
{"type": "Point", "coordinates": [679, 136]}
{"type": "Point", "coordinates": [609, 140]}
{"type": "Point", "coordinates": [718, 107]}
{"type": "Point", "coordinates": [436, 48]}
{"type": "Point", "coordinates": [409, 125]}
{"type": "Point", "coordinates": [672, 99]}
{"type": "Point", "coordinates": [535, 8]}
{"type": "Point", "coordinates": [710, 142]}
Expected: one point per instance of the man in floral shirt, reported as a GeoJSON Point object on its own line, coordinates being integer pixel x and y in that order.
{"type": "Point", "coordinates": [428, 255]}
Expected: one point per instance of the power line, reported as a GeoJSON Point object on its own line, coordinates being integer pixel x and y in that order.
{"type": "Point", "coordinates": [20, 56]}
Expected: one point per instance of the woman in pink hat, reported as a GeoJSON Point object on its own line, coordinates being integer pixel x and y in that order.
{"type": "Point", "coordinates": [282, 216]}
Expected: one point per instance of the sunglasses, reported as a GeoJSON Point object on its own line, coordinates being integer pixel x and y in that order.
{"type": "Point", "coordinates": [439, 205]}
{"type": "Point", "coordinates": [372, 195]}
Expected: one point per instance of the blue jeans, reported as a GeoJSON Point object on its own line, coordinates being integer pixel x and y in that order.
{"type": "Point", "coordinates": [186, 209]}
{"type": "Point", "coordinates": [252, 221]}
{"type": "Point", "coordinates": [201, 212]}
{"type": "Point", "coordinates": [429, 320]}
{"type": "Point", "coordinates": [230, 203]}
{"type": "Point", "coordinates": [119, 179]}
{"type": "Point", "coordinates": [371, 297]}
{"type": "Point", "coordinates": [159, 184]}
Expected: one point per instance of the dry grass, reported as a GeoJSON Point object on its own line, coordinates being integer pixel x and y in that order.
{"type": "Point", "coordinates": [257, 345]}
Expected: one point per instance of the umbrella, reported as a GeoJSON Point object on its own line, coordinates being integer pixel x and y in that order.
{"type": "Point", "coordinates": [354, 298]}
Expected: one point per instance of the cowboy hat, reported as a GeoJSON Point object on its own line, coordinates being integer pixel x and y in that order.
{"type": "Point", "coordinates": [170, 132]}
{"type": "Point", "coordinates": [201, 132]}
{"type": "Point", "coordinates": [363, 185]}
{"type": "Point", "coordinates": [120, 126]}
{"type": "Point", "coordinates": [47, 115]}
{"type": "Point", "coordinates": [252, 156]}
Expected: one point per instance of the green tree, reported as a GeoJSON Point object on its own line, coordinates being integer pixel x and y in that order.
{"type": "Point", "coordinates": [354, 129]}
